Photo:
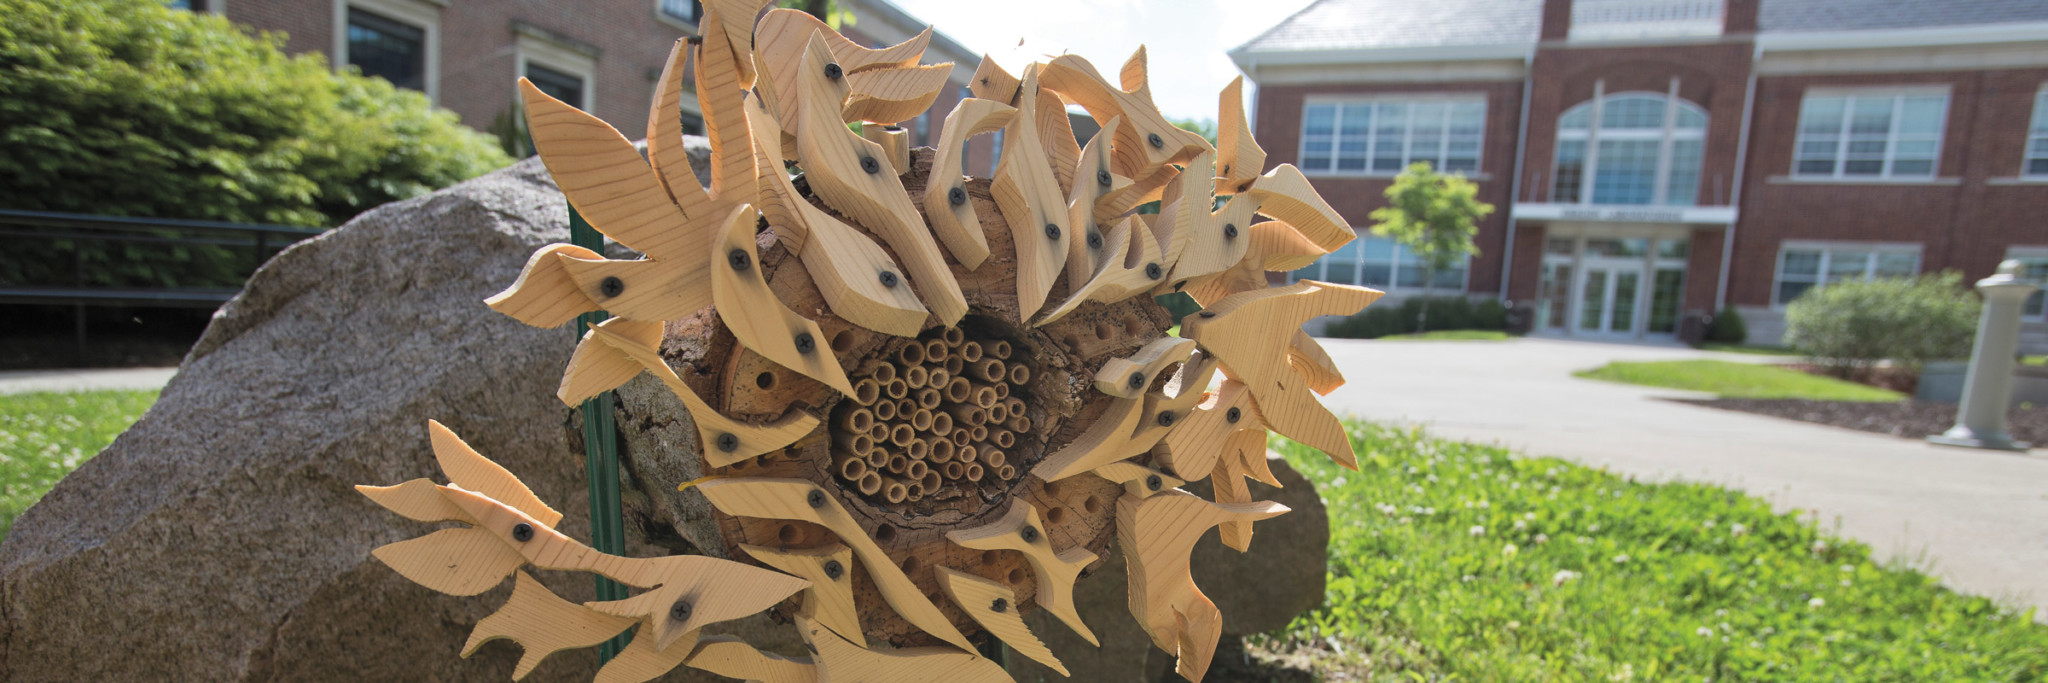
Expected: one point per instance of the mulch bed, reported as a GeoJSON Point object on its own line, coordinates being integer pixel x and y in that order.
{"type": "Point", "coordinates": [1908, 419]}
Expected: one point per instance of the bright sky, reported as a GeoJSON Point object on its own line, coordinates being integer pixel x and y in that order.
{"type": "Point", "coordinates": [1184, 40]}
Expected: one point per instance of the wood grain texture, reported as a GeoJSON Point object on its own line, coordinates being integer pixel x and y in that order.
{"type": "Point", "coordinates": [653, 290]}
{"type": "Point", "coordinates": [542, 624]}
{"type": "Point", "coordinates": [1239, 158]}
{"type": "Point", "coordinates": [607, 181]}
{"type": "Point", "coordinates": [731, 23]}
{"type": "Point", "coordinates": [734, 658]}
{"type": "Point", "coordinates": [1087, 182]}
{"type": "Point", "coordinates": [853, 176]}
{"type": "Point", "coordinates": [992, 82]}
{"type": "Point", "coordinates": [1132, 265]}
{"type": "Point", "coordinates": [1136, 478]}
{"type": "Point", "coordinates": [1200, 242]}
{"type": "Point", "coordinates": [1238, 330]}
{"type": "Point", "coordinates": [418, 500]}
{"type": "Point", "coordinates": [723, 75]}
{"type": "Point", "coordinates": [1193, 446]}
{"type": "Point", "coordinates": [1056, 137]}
{"type": "Point", "coordinates": [1114, 435]}
{"type": "Point", "coordinates": [545, 295]}
{"type": "Point", "coordinates": [1285, 194]}
{"type": "Point", "coordinates": [1055, 571]}
{"type": "Point", "coordinates": [1275, 246]}
{"type": "Point", "coordinates": [956, 224]}
{"type": "Point", "coordinates": [758, 319]}
{"type": "Point", "coordinates": [980, 599]}
{"type": "Point", "coordinates": [601, 351]}
{"type": "Point", "coordinates": [665, 150]}
{"type": "Point", "coordinates": [894, 95]}
{"type": "Point", "coordinates": [463, 562]}
{"type": "Point", "coordinates": [845, 264]}
{"type": "Point", "coordinates": [1243, 450]}
{"type": "Point", "coordinates": [471, 470]}
{"type": "Point", "coordinates": [1157, 534]}
{"type": "Point", "coordinates": [830, 598]}
{"type": "Point", "coordinates": [894, 141]}
{"type": "Point", "coordinates": [1307, 357]}
{"type": "Point", "coordinates": [1029, 197]}
{"type": "Point", "coordinates": [792, 499]}
{"type": "Point", "coordinates": [782, 37]}
{"type": "Point", "coordinates": [839, 661]}
{"type": "Point", "coordinates": [1135, 157]}
{"type": "Point", "coordinates": [644, 660]}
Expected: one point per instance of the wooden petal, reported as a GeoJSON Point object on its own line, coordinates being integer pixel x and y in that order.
{"type": "Point", "coordinates": [1054, 572]}
{"type": "Point", "coordinates": [1307, 357]}
{"type": "Point", "coordinates": [717, 590]}
{"type": "Point", "coordinates": [606, 180]}
{"type": "Point", "coordinates": [464, 561]}
{"type": "Point", "coordinates": [419, 499]}
{"type": "Point", "coordinates": [894, 95]}
{"type": "Point", "coordinates": [1135, 156]}
{"type": "Point", "coordinates": [734, 658]}
{"type": "Point", "coordinates": [723, 77]}
{"type": "Point", "coordinates": [759, 320]}
{"type": "Point", "coordinates": [665, 150]}
{"type": "Point", "coordinates": [830, 598]}
{"type": "Point", "coordinates": [652, 290]}
{"type": "Point", "coordinates": [980, 597]}
{"type": "Point", "coordinates": [1115, 435]}
{"type": "Point", "coordinates": [542, 624]}
{"type": "Point", "coordinates": [645, 660]}
{"type": "Point", "coordinates": [991, 82]}
{"type": "Point", "coordinates": [1029, 197]}
{"type": "Point", "coordinates": [1238, 330]}
{"type": "Point", "coordinates": [1284, 193]}
{"type": "Point", "coordinates": [781, 39]}
{"type": "Point", "coordinates": [471, 470]}
{"type": "Point", "coordinates": [1157, 535]}
{"type": "Point", "coordinates": [838, 660]}
{"type": "Point", "coordinates": [957, 225]}
{"type": "Point", "coordinates": [1137, 479]}
{"type": "Point", "coordinates": [1239, 159]}
{"type": "Point", "coordinates": [545, 295]}
{"type": "Point", "coordinates": [1087, 181]}
{"type": "Point", "coordinates": [747, 440]}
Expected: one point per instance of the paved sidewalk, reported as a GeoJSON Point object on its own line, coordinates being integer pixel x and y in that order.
{"type": "Point", "coordinates": [24, 381]}
{"type": "Point", "coordinates": [1977, 519]}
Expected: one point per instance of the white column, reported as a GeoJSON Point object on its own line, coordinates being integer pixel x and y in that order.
{"type": "Point", "coordinates": [1987, 390]}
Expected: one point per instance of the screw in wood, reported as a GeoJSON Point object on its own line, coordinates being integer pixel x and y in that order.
{"type": "Point", "coordinates": [680, 611]}
{"type": "Point", "coordinates": [1153, 271]}
{"type": "Point", "coordinates": [611, 287]}
{"type": "Point", "coordinates": [1153, 482]}
{"type": "Point", "coordinates": [804, 343]}
{"type": "Point", "coordinates": [888, 278]}
{"type": "Point", "coordinates": [1233, 415]}
{"type": "Point", "coordinates": [957, 196]}
{"type": "Point", "coordinates": [870, 165]}
{"type": "Point", "coordinates": [739, 259]}
{"type": "Point", "coordinates": [522, 532]}
{"type": "Point", "coordinates": [1102, 178]}
{"type": "Point", "coordinates": [1166, 418]}
{"type": "Point", "coordinates": [833, 71]}
{"type": "Point", "coordinates": [728, 442]}
{"type": "Point", "coordinates": [1230, 231]}
{"type": "Point", "coordinates": [816, 498]}
{"type": "Point", "coordinates": [1052, 232]}
{"type": "Point", "coordinates": [1137, 380]}
{"type": "Point", "coordinates": [833, 569]}
{"type": "Point", "coordinates": [999, 606]}
{"type": "Point", "coordinates": [1207, 314]}
{"type": "Point", "coordinates": [1029, 533]}
{"type": "Point", "coordinates": [1156, 141]}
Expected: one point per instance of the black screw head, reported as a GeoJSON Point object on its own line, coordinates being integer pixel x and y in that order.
{"type": "Point", "coordinates": [888, 278]}
{"type": "Point", "coordinates": [957, 196]}
{"type": "Point", "coordinates": [1102, 178]}
{"type": "Point", "coordinates": [805, 343]}
{"type": "Point", "coordinates": [833, 71]}
{"type": "Point", "coordinates": [1230, 231]}
{"type": "Point", "coordinates": [1029, 533]}
{"type": "Point", "coordinates": [728, 442]}
{"type": "Point", "coordinates": [1137, 380]}
{"type": "Point", "coordinates": [1156, 141]}
{"type": "Point", "coordinates": [522, 532]}
{"type": "Point", "coordinates": [999, 606]}
{"type": "Point", "coordinates": [1166, 418]}
{"type": "Point", "coordinates": [1094, 240]}
{"type": "Point", "coordinates": [1207, 314]}
{"type": "Point", "coordinates": [611, 287]}
{"type": "Point", "coordinates": [1052, 232]}
{"type": "Point", "coordinates": [834, 570]}
{"type": "Point", "coordinates": [1153, 482]}
{"type": "Point", "coordinates": [680, 611]}
{"type": "Point", "coordinates": [1233, 415]}
{"type": "Point", "coordinates": [816, 498]}
{"type": "Point", "coordinates": [1153, 271]}
{"type": "Point", "coordinates": [870, 165]}
{"type": "Point", "coordinates": [739, 259]}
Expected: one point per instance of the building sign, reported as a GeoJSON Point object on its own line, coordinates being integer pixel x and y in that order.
{"type": "Point", "coordinates": [1631, 215]}
{"type": "Point", "coordinates": [1626, 214]}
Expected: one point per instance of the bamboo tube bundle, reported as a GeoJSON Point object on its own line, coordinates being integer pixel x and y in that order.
{"type": "Point", "coordinates": [866, 391]}
{"type": "Point", "coordinates": [931, 480]}
{"type": "Point", "coordinates": [1020, 423]}
{"type": "Point", "coordinates": [936, 351]}
{"type": "Point", "coordinates": [915, 470]}
{"type": "Point", "coordinates": [973, 471]}
{"type": "Point", "coordinates": [898, 463]}
{"type": "Point", "coordinates": [1007, 472]}
{"type": "Point", "coordinates": [895, 490]}
{"type": "Point", "coordinates": [915, 376]}
{"type": "Point", "coordinates": [942, 424]}
{"type": "Point", "coordinates": [954, 364]}
{"type": "Point", "coordinates": [1016, 406]}
{"type": "Point", "coordinates": [878, 459]}
{"type": "Point", "coordinates": [938, 378]}
{"type": "Point", "coordinates": [911, 355]}
{"type": "Point", "coordinates": [902, 435]}
{"type": "Point", "coordinates": [871, 483]}
{"type": "Point", "coordinates": [928, 399]}
{"type": "Point", "coordinates": [980, 433]}
{"type": "Point", "coordinates": [879, 433]}
{"type": "Point", "coordinates": [1002, 391]}
{"type": "Point", "coordinates": [1019, 374]}
{"type": "Point", "coordinates": [885, 411]}
{"type": "Point", "coordinates": [953, 337]}
{"type": "Point", "coordinates": [962, 436]}
{"type": "Point", "coordinates": [959, 390]}
{"type": "Point", "coordinates": [897, 388]}
{"type": "Point", "coordinates": [970, 351]}
{"type": "Point", "coordinates": [921, 419]}
{"type": "Point", "coordinates": [955, 469]}
{"type": "Point", "coordinates": [942, 450]}
{"type": "Point", "coordinates": [918, 449]}
{"type": "Point", "coordinates": [994, 457]}
{"type": "Point", "coordinates": [985, 397]}
{"type": "Point", "coordinates": [884, 373]}
{"type": "Point", "coordinates": [989, 370]}
{"type": "Point", "coordinates": [857, 420]}
{"type": "Point", "coordinates": [999, 413]}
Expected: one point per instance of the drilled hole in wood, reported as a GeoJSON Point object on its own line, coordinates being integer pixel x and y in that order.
{"type": "Point", "coordinates": [842, 342]}
{"type": "Point", "coordinates": [1017, 576]}
{"type": "Point", "coordinates": [788, 533]}
{"type": "Point", "coordinates": [765, 380]}
{"type": "Point", "coordinates": [1056, 515]}
{"type": "Point", "coordinates": [1104, 331]}
{"type": "Point", "coordinates": [1092, 505]}
{"type": "Point", "coordinates": [885, 533]}
{"type": "Point", "coordinates": [989, 557]}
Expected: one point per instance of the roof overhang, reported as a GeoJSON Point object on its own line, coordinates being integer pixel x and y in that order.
{"type": "Point", "coordinates": [1249, 60]}
{"type": "Point", "coordinates": [1908, 37]}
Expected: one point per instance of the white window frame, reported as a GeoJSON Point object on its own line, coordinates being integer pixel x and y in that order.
{"type": "Point", "coordinates": [1827, 249]}
{"type": "Point", "coordinates": [1898, 97]}
{"type": "Point", "coordinates": [530, 48]}
{"type": "Point", "coordinates": [1322, 270]}
{"type": "Point", "coordinates": [2037, 136]}
{"type": "Point", "coordinates": [1670, 133]}
{"type": "Point", "coordinates": [2036, 254]}
{"type": "Point", "coordinates": [424, 14]}
{"type": "Point", "coordinates": [1407, 136]}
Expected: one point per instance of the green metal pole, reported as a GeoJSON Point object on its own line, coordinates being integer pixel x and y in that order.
{"type": "Point", "coordinates": [601, 456]}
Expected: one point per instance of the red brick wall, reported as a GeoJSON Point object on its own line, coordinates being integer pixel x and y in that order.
{"type": "Point", "coordinates": [1714, 76]}
{"type": "Point", "coordinates": [1279, 132]}
{"type": "Point", "coordinates": [1961, 220]}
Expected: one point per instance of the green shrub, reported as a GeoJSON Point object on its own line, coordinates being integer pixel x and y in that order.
{"type": "Point", "coordinates": [1445, 313]}
{"type": "Point", "coordinates": [1850, 326]}
{"type": "Point", "coordinates": [129, 108]}
{"type": "Point", "coordinates": [1727, 327]}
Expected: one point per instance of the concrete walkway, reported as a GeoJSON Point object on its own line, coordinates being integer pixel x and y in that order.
{"type": "Point", "coordinates": [1977, 519]}
{"type": "Point", "coordinates": [24, 381]}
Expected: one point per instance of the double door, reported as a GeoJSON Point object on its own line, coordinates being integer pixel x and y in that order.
{"type": "Point", "coordinates": [1610, 293]}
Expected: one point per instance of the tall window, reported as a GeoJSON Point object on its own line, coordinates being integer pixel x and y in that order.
{"type": "Point", "coordinates": [387, 48]}
{"type": "Point", "coordinates": [2033, 268]}
{"type": "Point", "coordinates": [1643, 151]}
{"type": "Point", "coordinates": [2037, 138]}
{"type": "Point", "coordinates": [1382, 263]}
{"type": "Point", "coordinates": [1383, 136]}
{"type": "Point", "coordinates": [685, 11]}
{"type": "Point", "coordinates": [560, 85]}
{"type": "Point", "coordinates": [1870, 134]}
{"type": "Point", "coordinates": [1804, 267]}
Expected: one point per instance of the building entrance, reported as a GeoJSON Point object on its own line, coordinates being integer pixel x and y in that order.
{"type": "Point", "coordinates": [1612, 287]}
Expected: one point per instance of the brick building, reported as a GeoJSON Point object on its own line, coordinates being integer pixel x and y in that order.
{"type": "Point", "coordinates": [1655, 160]}
{"type": "Point", "coordinates": [601, 55]}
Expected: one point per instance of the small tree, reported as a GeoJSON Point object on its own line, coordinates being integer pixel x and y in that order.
{"type": "Point", "coordinates": [1434, 216]}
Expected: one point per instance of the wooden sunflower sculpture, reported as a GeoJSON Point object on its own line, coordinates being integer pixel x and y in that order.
{"type": "Point", "coordinates": [931, 400]}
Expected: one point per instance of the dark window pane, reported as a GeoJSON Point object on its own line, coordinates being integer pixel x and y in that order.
{"type": "Point", "coordinates": [686, 10]}
{"type": "Point", "coordinates": [388, 49]}
{"type": "Point", "coordinates": [562, 86]}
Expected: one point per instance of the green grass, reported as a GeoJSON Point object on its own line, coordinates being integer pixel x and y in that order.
{"type": "Point", "coordinates": [1460, 562]}
{"type": "Point", "coordinates": [1737, 380]}
{"type": "Point", "coordinates": [1751, 350]}
{"type": "Point", "coordinates": [1451, 335]}
{"type": "Point", "coordinates": [44, 436]}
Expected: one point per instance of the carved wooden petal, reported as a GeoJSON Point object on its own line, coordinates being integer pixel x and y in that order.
{"type": "Point", "coordinates": [1114, 435]}
{"type": "Point", "coordinates": [1137, 479]}
{"type": "Point", "coordinates": [734, 658]}
{"type": "Point", "coordinates": [1238, 330]}
{"type": "Point", "coordinates": [830, 598]}
{"type": "Point", "coordinates": [1029, 197]}
{"type": "Point", "coordinates": [607, 181]}
{"type": "Point", "coordinates": [645, 660]}
{"type": "Point", "coordinates": [1135, 156]}
{"type": "Point", "coordinates": [653, 290]}
{"type": "Point", "coordinates": [956, 223]}
{"type": "Point", "coordinates": [471, 470]}
{"type": "Point", "coordinates": [1091, 180]}
{"type": "Point", "coordinates": [464, 561]}
{"type": "Point", "coordinates": [419, 499]}
{"type": "Point", "coordinates": [1238, 156]}
{"type": "Point", "coordinates": [1158, 534]}
{"type": "Point", "coordinates": [758, 319]}
{"type": "Point", "coordinates": [1055, 572]}
{"type": "Point", "coordinates": [994, 606]}
{"type": "Point", "coordinates": [781, 39]}
{"type": "Point", "coordinates": [1131, 266]}
{"type": "Point", "coordinates": [542, 624]}
{"type": "Point", "coordinates": [1286, 194]}
{"type": "Point", "coordinates": [545, 295]}
{"type": "Point", "coordinates": [894, 95]}
{"type": "Point", "coordinates": [838, 660]}
{"type": "Point", "coordinates": [611, 348]}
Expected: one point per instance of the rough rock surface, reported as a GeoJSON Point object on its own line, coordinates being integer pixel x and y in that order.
{"type": "Point", "coordinates": [1257, 591]}
{"type": "Point", "coordinates": [220, 539]}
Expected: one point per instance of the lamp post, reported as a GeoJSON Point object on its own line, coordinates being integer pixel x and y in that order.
{"type": "Point", "coordinates": [1987, 389]}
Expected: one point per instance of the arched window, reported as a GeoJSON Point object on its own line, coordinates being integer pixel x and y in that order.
{"type": "Point", "coordinates": [1643, 151]}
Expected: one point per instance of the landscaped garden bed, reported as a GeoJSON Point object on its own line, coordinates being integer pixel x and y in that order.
{"type": "Point", "coordinates": [1909, 419]}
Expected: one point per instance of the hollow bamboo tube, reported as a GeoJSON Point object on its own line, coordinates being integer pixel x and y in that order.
{"type": "Point", "coordinates": [962, 436]}
{"type": "Point", "coordinates": [980, 433]}
{"type": "Point", "coordinates": [856, 445]}
{"type": "Point", "coordinates": [904, 407]}
{"type": "Point", "coordinates": [970, 351]}
{"type": "Point", "coordinates": [931, 481]}
{"type": "Point", "coordinates": [941, 450]}
{"type": "Point", "coordinates": [985, 397]}
{"type": "Point", "coordinates": [1016, 406]}
{"type": "Point", "coordinates": [857, 420]}
{"type": "Point", "coordinates": [1006, 472]}
{"type": "Point", "coordinates": [878, 459]}
{"type": "Point", "coordinates": [897, 388]}
{"type": "Point", "coordinates": [1002, 391]}
{"type": "Point", "coordinates": [974, 471]}
{"type": "Point", "coordinates": [910, 354]}
{"type": "Point", "coordinates": [895, 491]}
{"type": "Point", "coordinates": [918, 449]}
{"type": "Point", "coordinates": [954, 469]}
{"type": "Point", "coordinates": [878, 433]}
{"type": "Point", "coordinates": [852, 469]}
{"type": "Point", "coordinates": [915, 377]}
{"type": "Point", "coordinates": [967, 454]}
{"type": "Point", "coordinates": [989, 370]}
{"type": "Point", "coordinates": [1019, 374]}
{"type": "Point", "coordinates": [935, 351]}
{"type": "Point", "coordinates": [954, 364]}
{"type": "Point", "coordinates": [1005, 438]}
{"type": "Point", "coordinates": [1020, 423]}
{"type": "Point", "coordinates": [898, 463]}
{"type": "Point", "coordinates": [884, 372]}
{"type": "Point", "coordinates": [866, 391]}
{"type": "Point", "coordinates": [994, 457]}
{"type": "Point", "coordinates": [927, 398]}
{"type": "Point", "coordinates": [966, 415]}
{"type": "Point", "coordinates": [1000, 349]}
{"type": "Point", "coordinates": [921, 419]}
{"type": "Point", "coordinates": [938, 378]}
{"type": "Point", "coordinates": [885, 411]}
{"type": "Point", "coordinates": [915, 470]}
{"type": "Point", "coordinates": [942, 423]}
{"type": "Point", "coordinates": [953, 337]}
{"type": "Point", "coordinates": [871, 483]}
{"type": "Point", "coordinates": [998, 413]}
{"type": "Point", "coordinates": [959, 389]}
{"type": "Point", "coordinates": [902, 434]}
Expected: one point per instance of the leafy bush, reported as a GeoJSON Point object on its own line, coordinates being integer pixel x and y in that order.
{"type": "Point", "coordinates": [1727, 327]}
{"type": "Point", "coordinates": [129, 108]}
{"type": "Point", "coordinates": [1850, 326]}
{"type": "Point", "coordinates": [1445, 313]}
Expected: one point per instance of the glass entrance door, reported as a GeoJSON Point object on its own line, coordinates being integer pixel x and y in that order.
{"type": "Point", "coordinates": [1608, 297]}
